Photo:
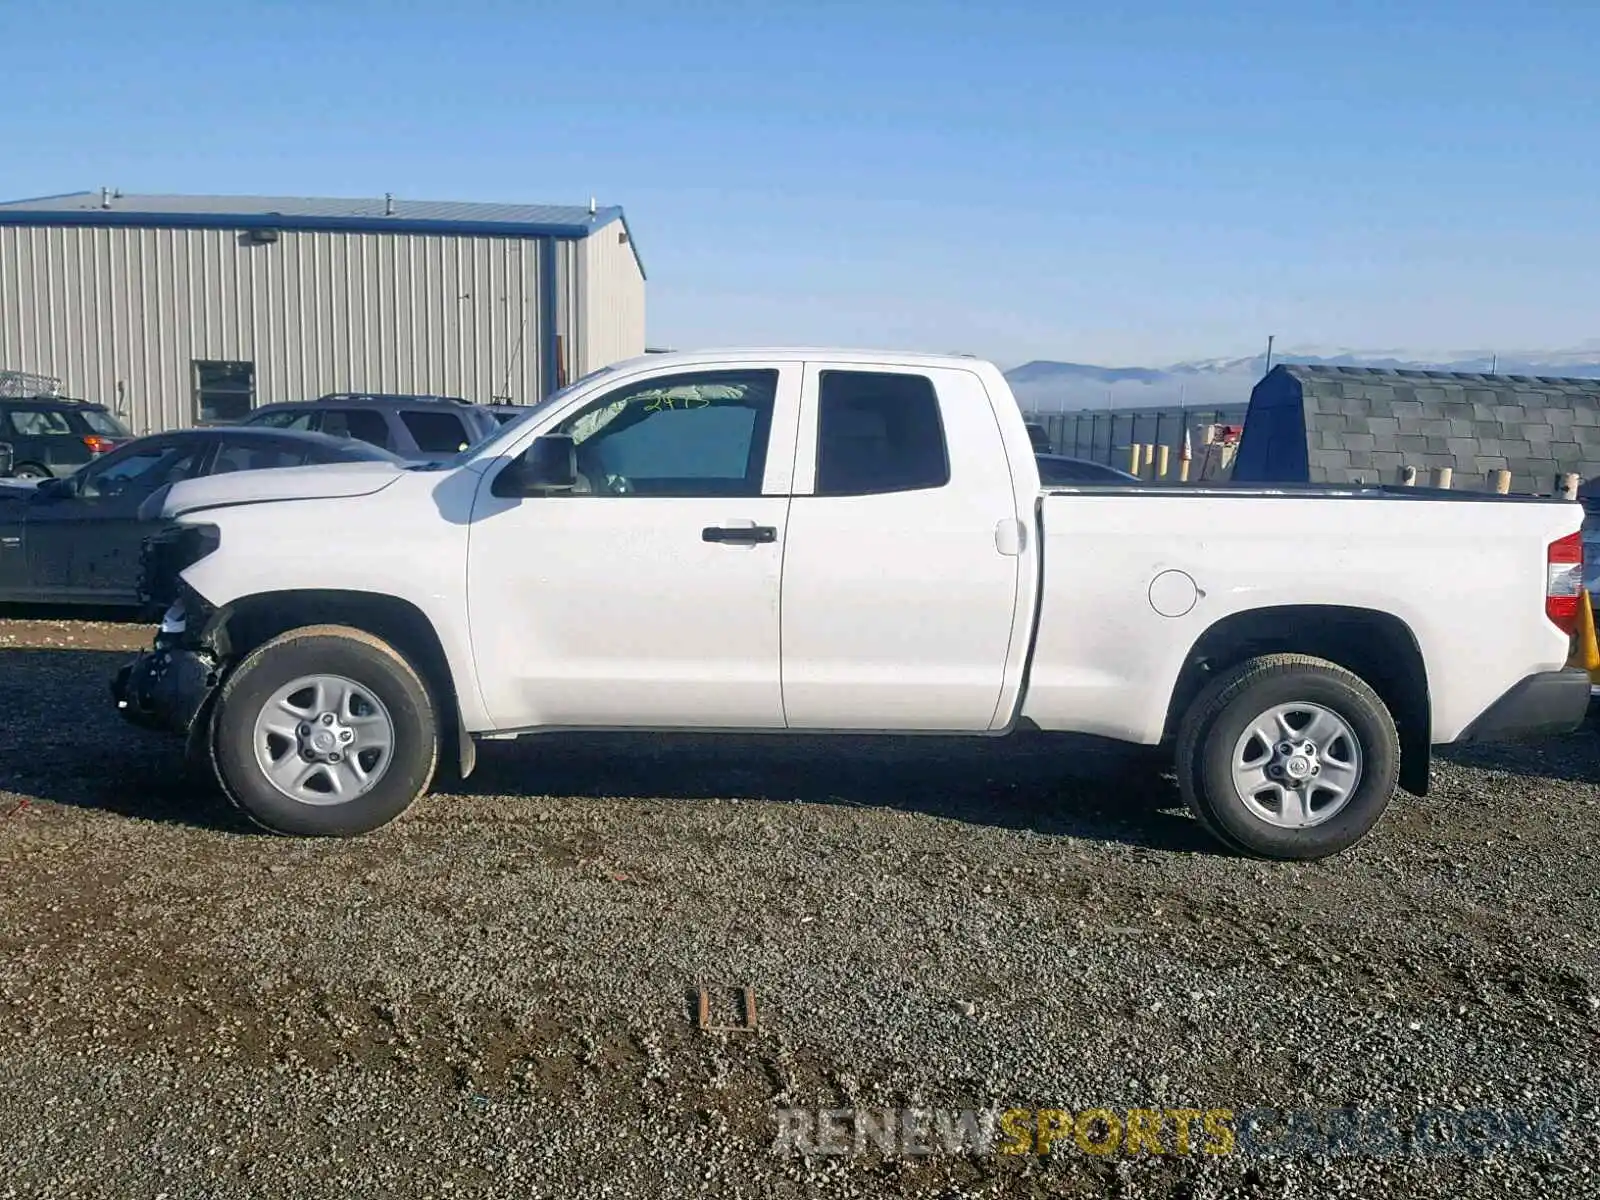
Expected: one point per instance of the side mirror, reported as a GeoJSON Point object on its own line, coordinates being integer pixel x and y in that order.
{"type": "Point", "coordinates": [549, 465]}
{"type": "Point", "coordinates": [53, 488]}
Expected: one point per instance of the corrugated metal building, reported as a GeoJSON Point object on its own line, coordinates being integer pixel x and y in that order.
{"type": "Point", "coordinates": [180, 310]}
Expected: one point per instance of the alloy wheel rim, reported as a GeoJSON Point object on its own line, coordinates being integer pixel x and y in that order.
{"type": "Point", "coordinates": [324, 739]}
{"type": "Point", "coordinates": [1296, 765]}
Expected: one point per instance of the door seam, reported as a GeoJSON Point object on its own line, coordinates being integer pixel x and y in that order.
{"type": "Point", "coordinates": [788, 516]}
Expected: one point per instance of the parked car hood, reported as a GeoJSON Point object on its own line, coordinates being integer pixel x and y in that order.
{"type": "Point", "coordinates": [326, 481]}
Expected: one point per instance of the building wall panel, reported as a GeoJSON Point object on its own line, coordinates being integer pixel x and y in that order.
{"type": "Point", "coordinates": [612, 299]}
{"type": "Point", "coordinates": [121, 314]}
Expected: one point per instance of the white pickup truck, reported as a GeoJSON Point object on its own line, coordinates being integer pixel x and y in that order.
{"type": "Point", "coordinates": [823, 541]}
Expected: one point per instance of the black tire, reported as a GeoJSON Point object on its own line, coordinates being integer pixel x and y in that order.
{"type": "Point", "coordinates": [1216, 721]}
{"type": "Point", "coordinates": [199, 751]}
{"type": "Point", "coordinates": [30, 471]}
{"type": "Point", "coordinates": [354, 655]}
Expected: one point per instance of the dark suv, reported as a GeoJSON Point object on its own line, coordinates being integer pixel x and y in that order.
{"type": "Point", "coordinates": [414, 427]}
{"type": "Point", "coordinates": [50, 436]}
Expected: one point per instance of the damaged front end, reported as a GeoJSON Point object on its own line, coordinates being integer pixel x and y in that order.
{"type": "Point", "coordinates": [166, 686]}
{"type": "Point", "coordinates": [169, 686]}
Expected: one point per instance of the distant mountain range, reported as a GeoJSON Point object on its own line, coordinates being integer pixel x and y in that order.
{"type": "Point", "coordinates": [1043, 386]}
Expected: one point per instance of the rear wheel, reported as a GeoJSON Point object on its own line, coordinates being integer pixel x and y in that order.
{"type": "Point", "coordinates": [325, 730]}
{"type": "Point", "coordinates": [29, 471]}
{"type": "Point", "coordinates": [1288, 757]}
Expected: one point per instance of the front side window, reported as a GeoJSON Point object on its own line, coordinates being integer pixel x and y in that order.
{"type": "Point", "coordinates": [436, 432]}
{"type": "Point", "coordinates": [362, 424]}
{"type": "Point", "coordinates": [40, 422]}
{"type": "Point", "coordinates": [696, 434]}
{"type": "Point", "coordinates": [878, 432]}
{"type": "Point", "coordinates": [139, 472]}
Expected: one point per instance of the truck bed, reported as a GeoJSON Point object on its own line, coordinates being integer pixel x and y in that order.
{"type": "Point", "coordinates": [1133, 576]}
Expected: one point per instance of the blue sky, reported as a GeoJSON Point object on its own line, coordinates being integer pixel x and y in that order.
{"type": "Point", "coordinates": [1017, 180]}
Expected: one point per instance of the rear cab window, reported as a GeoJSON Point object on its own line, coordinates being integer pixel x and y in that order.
{"type": "Point", "coordinates": [878, 432]}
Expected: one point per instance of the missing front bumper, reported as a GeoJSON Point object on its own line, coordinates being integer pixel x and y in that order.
{"type": "Point", "coordinates": [165, 688]}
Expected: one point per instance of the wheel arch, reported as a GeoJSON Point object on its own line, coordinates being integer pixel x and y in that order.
{"type": "Point", "coordinates": [238, 627]}
{"type": "Point", "coordinates": [1377, 646]}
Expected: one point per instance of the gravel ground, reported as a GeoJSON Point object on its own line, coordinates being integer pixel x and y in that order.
{"type": "Point", "coordinates": [493, 995]}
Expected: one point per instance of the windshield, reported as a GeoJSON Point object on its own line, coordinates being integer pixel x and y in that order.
{"type": "Point", "coordinates": [503, 426]}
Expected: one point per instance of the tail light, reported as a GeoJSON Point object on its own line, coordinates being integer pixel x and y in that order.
{"type": "Point", "coordinates": [98, 444]}
{"type": "Point", "coordinates": [1564, 581]}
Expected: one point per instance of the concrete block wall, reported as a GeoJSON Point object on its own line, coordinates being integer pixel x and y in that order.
{"type": "Point", "coordinates": [1364, 424]}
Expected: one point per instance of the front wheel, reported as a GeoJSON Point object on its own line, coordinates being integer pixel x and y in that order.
{"type": "Point", "coordinates": [324, 731]}
{"type": "Point", "coordinates": [1288, 757]}
{"type": "Point", "coordinates": [30, 471]}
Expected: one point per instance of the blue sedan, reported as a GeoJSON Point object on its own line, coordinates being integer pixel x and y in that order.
{"type": "Point", "coordinates": [76, 540]}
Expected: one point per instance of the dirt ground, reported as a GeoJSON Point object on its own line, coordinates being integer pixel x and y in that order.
{"type": "Point", "coordinates": [495, 995]}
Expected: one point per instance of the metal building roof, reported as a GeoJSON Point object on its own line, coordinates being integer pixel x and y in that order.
{"type": "Point", "coordinates": [362, 215]}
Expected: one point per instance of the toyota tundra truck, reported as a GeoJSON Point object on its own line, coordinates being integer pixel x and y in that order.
{"type": "Point", "coordinates": [834, 541]}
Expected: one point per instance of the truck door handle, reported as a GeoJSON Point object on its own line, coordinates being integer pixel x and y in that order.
{"type": "Point", "coordinates": [741, 534]}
